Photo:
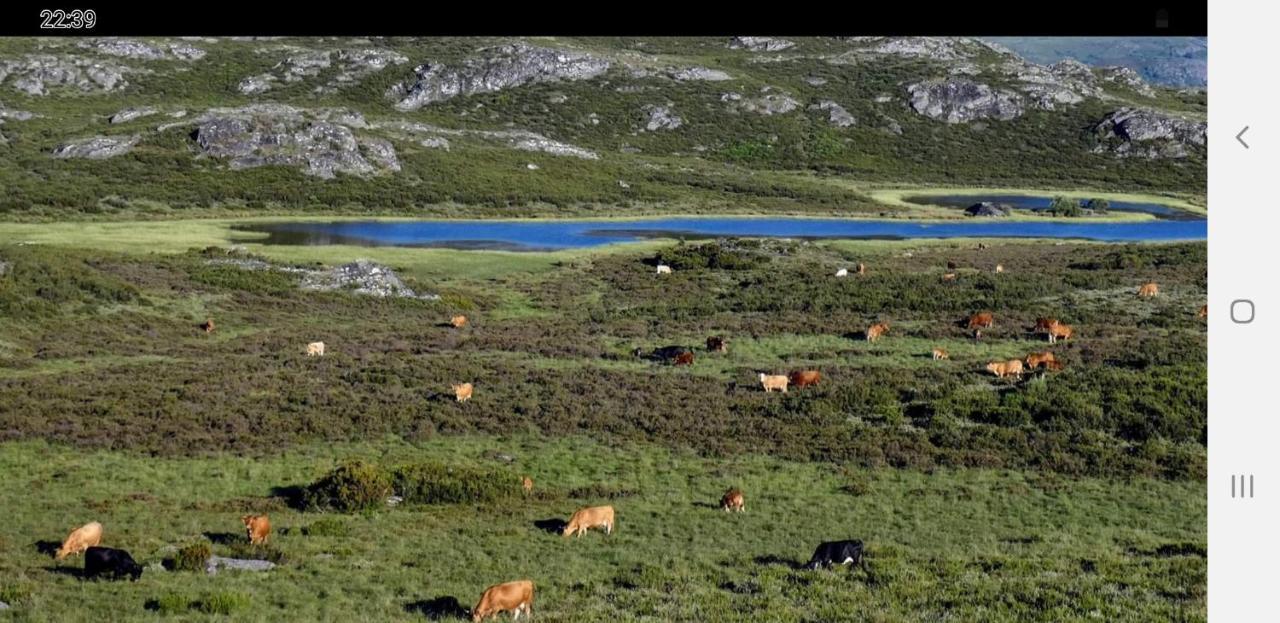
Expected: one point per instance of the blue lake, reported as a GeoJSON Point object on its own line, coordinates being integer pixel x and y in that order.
{"type": "Point", "coordinates": [568, 234]}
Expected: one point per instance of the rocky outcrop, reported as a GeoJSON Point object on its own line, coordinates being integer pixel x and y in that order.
{"type": "Point", "coordinates": [362, 277]}
{"type": "Point", "coordinates": [948, 49]}
{"type": "Point", "coordinates": [760, 44]}
{"type": "Point", "coordinates": [15, 115]}
{"type": "Point", "coordinates": [516, 139]}
{"type": "Point", "coordinates": [36, 74]}
{"type": "Point", "coordinates": [836, 114]}
{"type": "Point", "coordinates": [988, 209]}
{"type": "Point", "coordinates": [769, 102]}
{"type": "Point", "coordinates": [129, 114]}
{"type": "Point", "coordinates": [96, 147]}
{"type": "Point", "coordinates": [530, 141]}
{"type": "Point", "coordinates": [495, 69]}
{"type": "Point", "coordinates": [1127, 78]}
{"type": "Point", "coordinates": [350, 65]}
{"type": "Point", "coordinates": [960, 100]}
{"type": "Point", "coordinates": [661, 118]}
{"type": "Point", "coordinates": [321, 142]}
{"type": "Point", "coordinates": [1144, 133]}
{"type": "Point", "coordinates": [139, 50]}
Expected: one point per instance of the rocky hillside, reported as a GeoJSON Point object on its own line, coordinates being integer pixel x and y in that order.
{"type": "Point", "coordinates": [540, 125]}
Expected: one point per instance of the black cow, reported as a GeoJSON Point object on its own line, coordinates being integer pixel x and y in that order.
{"type": "Point", "coordinates": [837, 553]}
{"type": "Point", "coordinates": [100, 561]}
{"type": "Point", "coordinates": [666, 353]}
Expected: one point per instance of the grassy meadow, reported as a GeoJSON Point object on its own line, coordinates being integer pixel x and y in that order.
{"type": "Point", "coordinates": [1072, 495]}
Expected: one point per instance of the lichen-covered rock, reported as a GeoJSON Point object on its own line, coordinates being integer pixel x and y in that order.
{"type": "Point", "coordinates": [1144, 133]}
{"type": "Point", "coordinates": [760, 44]}
{"type": "Point", "coordinates": [960, 100]}
{"type": "Point", "coordinates": [495, 69]}
{"type": "Point", "coordinates": [362, 277]}
{"type": "Point", "coordinates": [145, 51]}
{"type": "Point", "coordinates": [253, 85]}
{"type": "Point", "coordinates": [36, 74]}
{"type": "Point", "coordinates": [661, 118]}
{"type": "Point", "coordinates": [767, 103]}
{"type": "Point", "coordinates": [129, 114]}
{"type": "Point", "coordinates": [349, 67]}
{"type": "Point", "coordinates": [218, 563]}
{"type": "Point", "coordinates": [836, 114]}
{"type": "Point", "coordinates": [1128, 78]}
{"type": "Point", "coordinates": [96, 147]}
{"type": "Point", "coordinates": [320, 142]}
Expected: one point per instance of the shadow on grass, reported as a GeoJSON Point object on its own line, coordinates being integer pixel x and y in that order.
{"type": "Point", "coordinates": [553, 526]}
{"type": "Point", "coordinates": [438, 608]}
{"type": "Point", "coordinates": [75, 572]}
{"type": "Point", "coordinates": [770, 559]}
{"type": "Point", "coordinates": [706, 505]}
{"type": "Point", "coordinates": [48, 548]}
{"type": "Point", "coordinates": [225, 538]}
{"type": "Point", "coordinates": [293, 496]}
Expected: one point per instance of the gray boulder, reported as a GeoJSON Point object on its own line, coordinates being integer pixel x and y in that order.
{"type": "Point", "coordinates": [661, 118]}
{"type": "Point", "coordinates": [836, 114]}
{"type": "Point", "coordinates": [760, 44]}
{"type": "Point", "coordinates": [253, 85]}
{"type": "Point", "coordinates": [495, 69]}
{"type": "Point", "coordinates": [218, 563]}
{"type": "Point", "coordinates": [768, 103]}
{"type": "Point", "coordinates": [4, 606]}
{"type": "Point", "coordinates": [1146, 133]}
{"type": "Point", "coordinates": [129, 114]}
{"type": "Point", "coordinates": [361, 277]}
{"type": "Point", "coordinates": [960, 100]}
{"type": "Point", "coordinates": [96, 147]}
{"type": "Point", "coordinates": [988, 209]}
{"type": "Point", "coordinates": [144, 51]}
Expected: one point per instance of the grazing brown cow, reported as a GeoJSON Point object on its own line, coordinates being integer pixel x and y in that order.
{"type": "Point", "coordinates": [1059, 331]}
{"type": "Point", "coordinates": [514, 597]}
{"type": "Point", "coordinates": [1204, 311]}
{"type": "Point", "coordinates": [939, 354]}
{"type": "Point", "coordinates": [876, 330]}
{"type": "Point", "coordinates": [981, 320]}
{"type": "Point", "coordinates": [462, 391]}
{"type": "Point", "coordinates": [1053, 365]}
{"type": "Point", "coordinates": [80, 539]}
{"type": "Point", "coordinates": [1036, 360]}
{"type": "Point", "coordinates": [717, 344]}
{"type": "Point", "coordinates": [860, 269]}
{"type": "Point", "coordinates": [257, 528]}
{"type": "Point", "coordinates": [526, 483]}
{"type": "Point", "coordinates": [805, 378]}
{"type": "Point", "coordinates": [733, 501]}
{"type": "Point", "coordinates": [1044, 324]}
{"type": "Point", "coordinates": [949, 277]}
{"type": "Point", "coordinates": [684, 359]}
{"type": "Point", "coordinates": [1149, 290]}
{"type": "Point", "coordinates": [1001, 369]}
{"type": "Point", "coordinates": [773, 382]}
{"type": "Point", "coordinates": [590, 517]}
{"type": "Point", "coordinates": [207, 325]}
{"type": "Point", "coordinates": [458, 321]}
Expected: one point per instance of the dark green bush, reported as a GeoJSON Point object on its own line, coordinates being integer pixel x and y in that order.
{"type": "Point", "coordinates": [192, 557]}
{"type": "Point", "coordinates": [351, 486]}
{"type": "Point", "coordinates": [261, 551]}
{"type": "Point", "coordinates": [326, 527]}
{"type": "Point", "coordinates": [437, 483]}
{"type": "Point", "coordinates": [731, 254]}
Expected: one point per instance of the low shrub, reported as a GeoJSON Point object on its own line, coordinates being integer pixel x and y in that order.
{"type": "Point", "coordinates": [351, 486]}
{"type": "Point", "coordinates": [169, 603]}
{"type": "Point", "coordinates": [437, 483]}
{"type": "Point", "coordinates": [326, 527]}
{"type": "Point", "coordinates": [192, 557]}
{"type": "Point", "coordinates": [249, 551]}
{"type": "Point", "coordinates": [222, 603]}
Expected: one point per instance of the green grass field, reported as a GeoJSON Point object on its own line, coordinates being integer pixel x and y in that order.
{"type": "Point", "coordinates": [1075, 496]}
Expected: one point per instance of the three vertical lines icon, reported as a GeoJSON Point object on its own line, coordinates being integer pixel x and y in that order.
{"type": "Point", "coordinates": [1240, 490]}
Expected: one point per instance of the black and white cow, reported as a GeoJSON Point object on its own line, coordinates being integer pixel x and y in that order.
{"type": "Point", "coordinates": [837, 553]}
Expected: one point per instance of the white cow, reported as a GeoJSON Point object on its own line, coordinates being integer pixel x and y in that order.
{"type": "Point", "coordinates": [315, 349]}
{"type": "Point", "coordinates": [843, 272]}
{"type": "Point", "coordinates": [663, 269]}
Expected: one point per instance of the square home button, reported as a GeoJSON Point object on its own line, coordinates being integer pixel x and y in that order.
{"type": "Point", "coordinates": [1242, 311]}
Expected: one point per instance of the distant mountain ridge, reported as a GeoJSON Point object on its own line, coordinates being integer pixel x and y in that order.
{"type": "Point", "coordinates": [1168, 61]}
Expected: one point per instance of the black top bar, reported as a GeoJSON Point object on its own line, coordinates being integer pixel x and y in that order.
{"type": "Point", "coordinates": [995, 18]}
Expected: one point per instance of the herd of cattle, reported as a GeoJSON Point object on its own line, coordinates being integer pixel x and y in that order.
{"type": "Point", "coordinates": [516, 597]}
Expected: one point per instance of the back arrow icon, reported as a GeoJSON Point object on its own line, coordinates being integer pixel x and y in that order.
{"type": "Point", "coordinates": [1240, 137]}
